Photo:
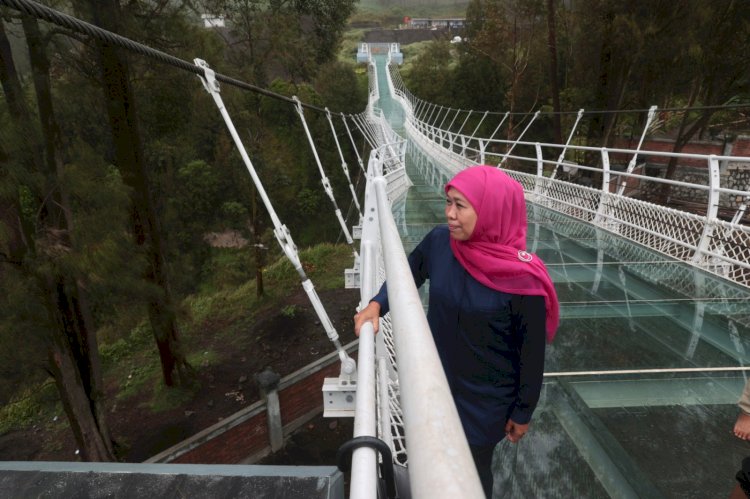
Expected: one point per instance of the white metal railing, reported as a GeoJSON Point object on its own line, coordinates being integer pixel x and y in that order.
{"type": "Point", "coordinates": [623, 203]}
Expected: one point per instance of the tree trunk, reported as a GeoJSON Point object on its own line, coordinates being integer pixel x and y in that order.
{"type": "Point", "coordinates": [598, 120]}
{"type": "Point", "coordinates": [71, 335]}
{"type": "Point", "coordinates": [129, 158]}
{"type": "Point", "coordinates": [17, 108]}
{"type": "Point", "coordinates": [63, 367]}
{"type": "Point", "coordinates": [555, 89]}
{"type": "Point", "coordinates": [681, 140]}
{"type": "Point", "coordinates": [71, 292]}
{"type": "Point", "coordinates": [19, 236]}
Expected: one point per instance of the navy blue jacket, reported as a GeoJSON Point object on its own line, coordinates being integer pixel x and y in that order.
{"type": "Point", "coordinates": [491, 343]}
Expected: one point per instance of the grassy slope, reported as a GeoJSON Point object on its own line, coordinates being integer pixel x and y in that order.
{"type": "Point", "coordinates": [131, 362]}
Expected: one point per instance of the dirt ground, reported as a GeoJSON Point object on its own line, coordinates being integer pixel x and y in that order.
{"type": "Point", "coordinates": [278, 341]}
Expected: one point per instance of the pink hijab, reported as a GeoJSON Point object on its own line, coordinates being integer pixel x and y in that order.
{"type": "Point", "coordinates": [495, 254]}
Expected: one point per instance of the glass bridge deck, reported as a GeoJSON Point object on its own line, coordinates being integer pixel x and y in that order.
{"type": "Point", "coordinates": [642, 380]}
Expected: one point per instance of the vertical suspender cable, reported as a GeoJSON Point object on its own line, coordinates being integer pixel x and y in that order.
{"type": "Point", "coordinates": [634, 159]}
{"type": "Point", "coordinates": [354, 144]}
{"type": "Point", "coordinates": [348, 365]}
{"type": "Point", "coordinates": [326, 183]}
{"type": "Point", "coordinates": [561, 158]}
{"type": "Point", "coordinates": [533, 118]}
{"type": "Point", "coordinates": [343, 162]}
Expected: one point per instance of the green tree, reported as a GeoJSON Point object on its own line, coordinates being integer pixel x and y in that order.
{"type": "Point", "coordinates": [553, 72]}
{"type": "Point", "coordinates": [338, 87]}
{"type": "Point", "coordinates": [505, 39]}
{"type": "Point", "coordinates": [282, 38]}
{"type": "Point", "coordinates": [720, 55]}
{"type": "Point", "coordinates": [43, 251]}
{"type": "Point", "coordinates": [129, 158]}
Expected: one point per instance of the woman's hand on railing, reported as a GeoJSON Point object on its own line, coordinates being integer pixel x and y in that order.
{"type": "Point", "coordinates": [515, 431]}
{"type": "Point", "coordinates": [370, 313]}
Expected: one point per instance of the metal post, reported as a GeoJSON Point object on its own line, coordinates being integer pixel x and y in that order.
{"type": "Point", "coordinates": [712, 210]}
{"type": "Point", "coordinates": [453, 142]}
{"type": "Point", "coordinates": [434, 125]}
{"type": "Point", "coordinates": [539, 170]}
{"type": "Point", "coordinates": [631, 164]}
{"type": "Point", "coordinates": [601, 214]}
{"type": "Point", "coordinates": [475, 130]}
{"type": "Point", "coordinates": [268, 382]}
{"type": "Point", "coordinates": [447, 112]}
{"type": "Point", "coordinates": [497, 128]}
{"type": "Point", "coordinates": [432, 110]}
{"type": "Point", "coordinates": [364, 459]}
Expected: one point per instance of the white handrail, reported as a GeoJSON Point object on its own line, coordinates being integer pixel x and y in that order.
{"type": "Point", "coordinates": [440, 462]}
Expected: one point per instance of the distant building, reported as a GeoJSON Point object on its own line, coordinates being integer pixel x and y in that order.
{"type": "Point", "coordinates": [427, 23]}
{"type": "Point", "coordinates": [212, 21]}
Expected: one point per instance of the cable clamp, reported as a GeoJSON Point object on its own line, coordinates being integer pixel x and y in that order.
{"type": "Point", "coordinates": [209, 76]}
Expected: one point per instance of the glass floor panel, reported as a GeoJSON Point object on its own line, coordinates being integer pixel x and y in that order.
{"type": "Point", "coordinates": [642, 380]}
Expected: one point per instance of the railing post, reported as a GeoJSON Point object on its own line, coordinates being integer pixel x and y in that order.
{"type": "Point", "coordinates": [539, 180]}
{"type": "Point", "coordinates": [463, 152]}
{"type": "Point", "coordinates": [447, 112]}
{"type": "Point", "coordinates": [601, 211]}
{"type": "Point", "coordinates": [268, 383]}
{"type": "Point", "coordinates": [712, 210]}
{"type": "Point", "coordinates": [364, 459]}
{"type": "Point", "coordinates": [453, 120]}
{"type": "Point", "coordinates": [633, 160]}
{"type": "Point", "coordinates": [462, 127]}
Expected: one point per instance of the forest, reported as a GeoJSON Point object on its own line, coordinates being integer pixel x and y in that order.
{"type": "Point", "coordinates": [116, 171]}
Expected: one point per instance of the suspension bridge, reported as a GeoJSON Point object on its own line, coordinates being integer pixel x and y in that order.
{"type": "Point", "coordinates": [641, 381]}
{"type": "Point", "coordinates": [653, 300]}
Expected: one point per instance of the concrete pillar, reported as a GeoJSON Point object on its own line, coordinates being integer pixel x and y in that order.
{"type": "Point", "coordinates": [268, 382]}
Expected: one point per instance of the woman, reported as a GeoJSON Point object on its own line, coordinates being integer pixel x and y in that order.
{"type": "Point", "coordinates": [491, 307]}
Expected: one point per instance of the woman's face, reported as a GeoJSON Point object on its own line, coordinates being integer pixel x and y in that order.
{"type": "Point", "coordinates": [460, 214]}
